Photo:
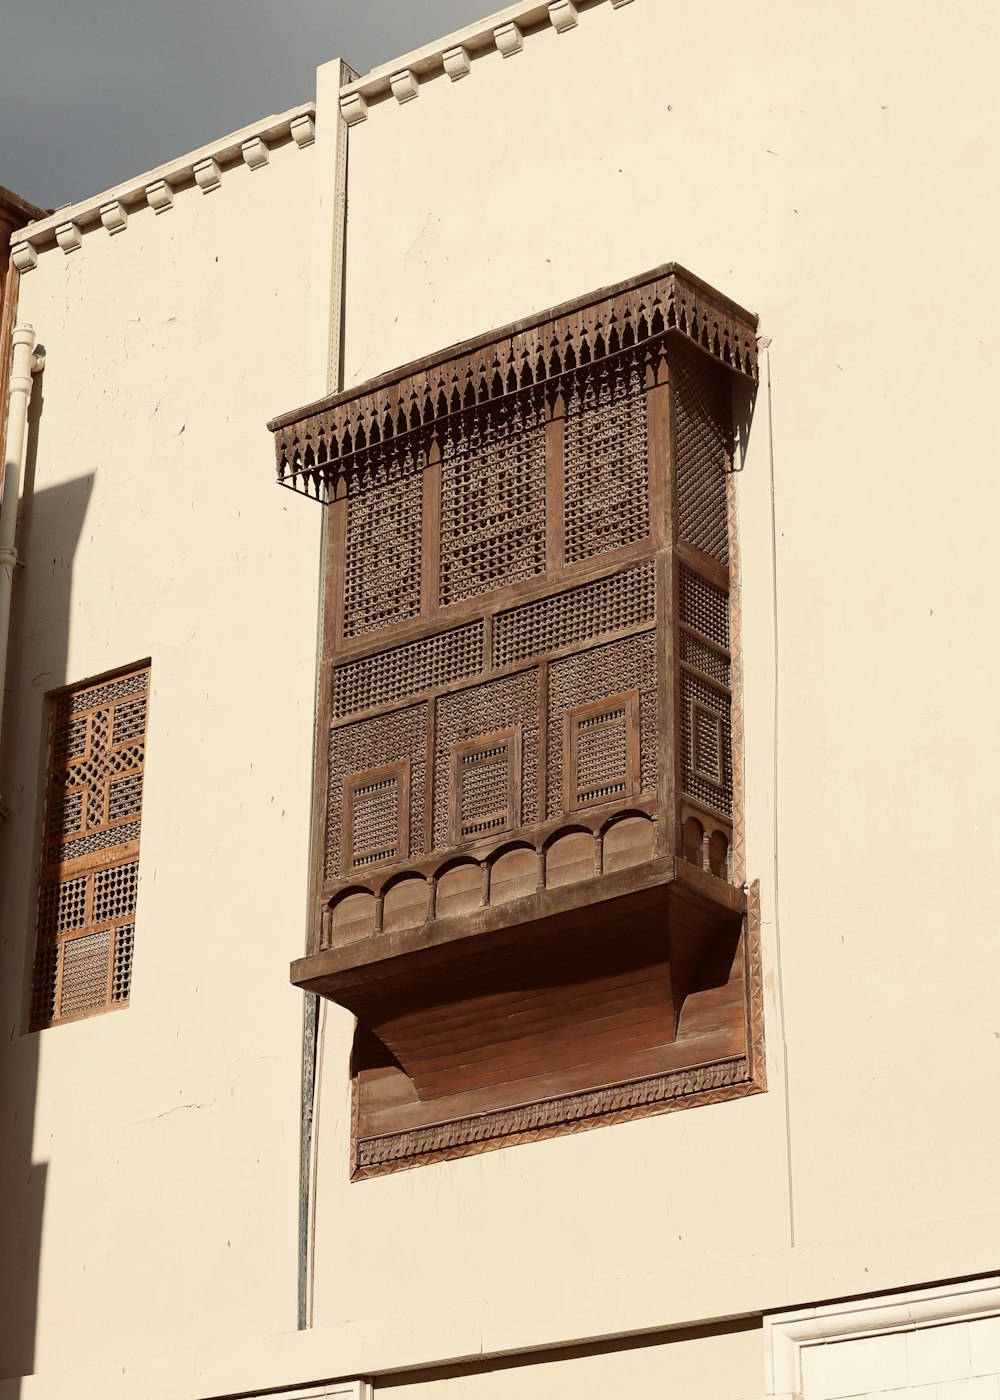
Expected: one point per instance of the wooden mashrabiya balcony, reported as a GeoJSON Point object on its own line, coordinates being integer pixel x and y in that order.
{"type": "Point", "coordinates": [527, 879]}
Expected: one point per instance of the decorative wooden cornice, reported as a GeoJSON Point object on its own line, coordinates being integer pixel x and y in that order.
{"type": "Point", "coordinates": [504, 32]}
{"type": "Point", "coordinates": [203, 169]}
{"type": "Point", "coordinates": [315, 446]}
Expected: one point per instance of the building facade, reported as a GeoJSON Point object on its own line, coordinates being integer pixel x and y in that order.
{"type": "Point", "coordinates": [189, 1210]}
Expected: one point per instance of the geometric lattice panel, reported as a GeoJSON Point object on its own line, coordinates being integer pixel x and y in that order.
{"type": "Point", "coordinates": [606, 481]}
{"type": "Point", "coordinates": [601, 751]}
{"type": "Point", "coordinates": [706, 743]}
{"type": "Point", "coordinates": [403, 671]}
{"type": "Point", "coordinates": [372, 763]}
{"type": "Point", "coordinates": [702, 412]}
{"type": "Point", "coordinates": [486, 785]}
{"type": "Point", "coordinates": [704, 607]}
{"type": "Point", "coordinates": [625, 599]}
{"type": "Point", "coordinates": [384, 524]}
{"type": "Point", "coordinates": [493, 727]}
{"type": "Point", "coordinates": [90, 846]}
{"type": "Point", "coordinates": [492, 500]}
{"type": "Point", "coordinates": [592, 686]}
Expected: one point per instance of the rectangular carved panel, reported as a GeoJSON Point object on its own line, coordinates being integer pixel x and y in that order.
{"type": "Point", "coordinates": [486, 785]}
{"type": "Point", "coordinates": [486, 710]}
{"type": "Point", "coordinates": [592, 677]}
{"type": "Point", "coordinates": [606, 473]}
{"type": "Point", "coordinates": [377, 815]}
{"type": "Point", "coordinates": [90, 873]}
{"type": "Point", "coordinates": [492, 498]}
{"type": "Point", "coordinates": [706, 743]}
{"type": "Point", "coordinates": [355, 750]}
{"type": "Point", "coordinates": [601, 744]}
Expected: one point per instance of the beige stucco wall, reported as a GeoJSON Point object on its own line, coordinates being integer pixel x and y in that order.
{"type": "Point", "coordinates": [829, 168]}
{"type": "Point", "coordinates": [151, 1156]}
{"type": "Point", "coordinates": [822, 167]}
{"type": "Point", "coordinates": [714, 1366]}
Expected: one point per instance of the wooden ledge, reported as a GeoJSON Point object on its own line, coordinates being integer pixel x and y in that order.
{"type": "Point", "coordinates": [560, 992]}
{"type": "Point", "coordinates": [401, 951]}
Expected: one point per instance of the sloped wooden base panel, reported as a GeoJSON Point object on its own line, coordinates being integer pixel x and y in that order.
{"type": "Point", "coordinates": [570, 1067]}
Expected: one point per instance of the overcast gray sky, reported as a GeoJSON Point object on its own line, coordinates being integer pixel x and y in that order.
{"type": "Point", "coordinates": [94, 92]}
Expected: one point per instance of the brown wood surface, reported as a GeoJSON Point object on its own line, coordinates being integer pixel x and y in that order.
{"type": "Point", "coordinates": [566, 309]}
{"type": "Point", "coordinates": [526, 946]}
{"type": "Point", "coordinates": [573, 999]}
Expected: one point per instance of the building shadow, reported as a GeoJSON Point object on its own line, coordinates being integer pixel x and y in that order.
{"type": "Point", "coordinates": [50, 523]}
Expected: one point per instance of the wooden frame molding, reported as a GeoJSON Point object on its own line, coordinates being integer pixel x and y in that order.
{"type": "Point", "coordinates": [377, 806]}
{"type": "Point", "coordinates": [601, 744]}
{"type": "Point", "coordinates": [523, 872]}
{"type": "Point", "coordinates": [485, 785]}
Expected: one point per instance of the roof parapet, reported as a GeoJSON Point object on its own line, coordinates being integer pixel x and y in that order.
{"type": "Point", "coordinates": [454, 54]}
{"type": "Point", "coordinates": [204, 169]}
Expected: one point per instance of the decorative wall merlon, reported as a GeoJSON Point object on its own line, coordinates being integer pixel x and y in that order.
{"type": "Point", "coordinates": [456, 54]}
{"type": "Point", "coordinates": [354, 108]}
{"type": "Point", "coordinates": [509, 39]}
{"type": "Point", "coordinates": [303, 131]}
{"type": "Point", "coordinates": [563, 14]}
{"type": "Point", "coordinates": [456, 63]}
{"type": "Point", "coordinates": [405, 85]}
{"type": "Point", "coordinates": [256, 152]}
{"type": "Point", "coordinates": [208, 175]}
{"type": "Point", "coordinates": [114, 216]}
{"type": "Point", "coordinates": [159, 196]}
{"type": "Point", "coordinates": [158, 187]}
{"type": "Point", "coordinates": [24, 257]}
{"type": "Point", "coordinates": [68, 236]}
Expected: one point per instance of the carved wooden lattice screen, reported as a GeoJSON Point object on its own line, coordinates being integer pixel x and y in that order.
{"type": "Point", "coordinates": [90, 849]}
{"type": "Point", "coordinates": [528, 672]}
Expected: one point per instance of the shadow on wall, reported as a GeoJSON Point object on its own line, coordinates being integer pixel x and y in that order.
{"type": "Point", "coordinates": [49, 528]}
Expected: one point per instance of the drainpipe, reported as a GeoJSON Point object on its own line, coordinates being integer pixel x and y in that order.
{"type": "Point", "coordinates": [25, 361]}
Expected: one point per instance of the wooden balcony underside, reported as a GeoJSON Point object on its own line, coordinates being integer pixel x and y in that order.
{"type": "Point", "coordinates": [595, 983]}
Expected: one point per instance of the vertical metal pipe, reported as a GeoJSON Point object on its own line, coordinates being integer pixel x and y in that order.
{"type": "Point", "coordinates": [24, 363]}
{"type": "Point", "coordinates": [309, 1020]}
{"type": "Point", "coordinates": [328, 257]}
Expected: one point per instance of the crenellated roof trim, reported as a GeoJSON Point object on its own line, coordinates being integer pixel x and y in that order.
{"type": "Point", "coordinates": [455, 54]}
{"type": "Point", "coordinates": [202, 169]}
